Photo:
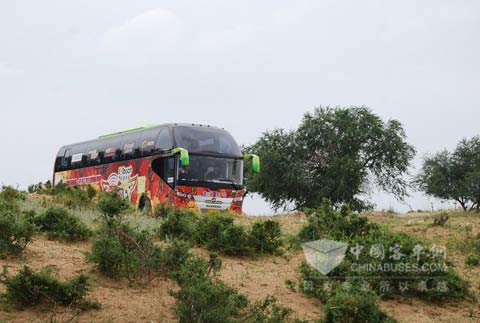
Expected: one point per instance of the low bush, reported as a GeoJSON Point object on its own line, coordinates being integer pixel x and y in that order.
{"type": "Point", "coordinates": [441, 219]}
{"type": "Point", "coordinates": [177, 224]}
{"type": "Point", "coordinates": [16, 232]}
{"type": "Point", "coordinates": [163, 210]}
{"type": "Point", "coordinates": [73, 197]}
{"type": "Point", "coordinates": [10, 198]}
{"type": "Point", "coordinates": [58, 223]}
{"type": "Point", "coordinates": [174, 256]}
{"type": "Point", "coordinates": [233, 240]}
{"type": "Point", "coordinates": [202, 298]}
{"type": "Point", "coordinates": [353, 305]}
{"type": "Point", "coordinates": [111, 204]}
{"type": "Point", "coordinates": [377, 257]}
{"type": "Point", "coordinates": [265, 236]}
{"type": "Point", "coordinates": [91, 192]}
{"type": "Point", "coordinates": [268, 311]}
{"type": "Point", "coordinates": [120, 250]}
{"type": "Point", "coordinates": [470, 246]}
{"type": "Point", "coordinates": [218, 232]}
{"type": "Point", "coordinates": [337, 225]}
{"type": "Point", "coordinates": [46, 188]}
{"type": "Point", "coordinates": [29, 287]}
{"type": "Point", "coordinates": [473, 260]}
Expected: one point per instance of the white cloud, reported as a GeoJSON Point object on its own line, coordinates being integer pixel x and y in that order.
{"type": "Point", "coordinates": [220, 41]}
{"type": "Point", "coordinates": [151, 32]}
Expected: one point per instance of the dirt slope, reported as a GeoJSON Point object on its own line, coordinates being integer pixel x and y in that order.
{"type": "Point", "coordinates": [254, 277]}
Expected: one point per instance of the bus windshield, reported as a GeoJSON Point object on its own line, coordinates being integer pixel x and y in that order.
{"type": "Point", "coordinates": [209, 141]}
{"type": "Point", "coordinates": [206, 169]}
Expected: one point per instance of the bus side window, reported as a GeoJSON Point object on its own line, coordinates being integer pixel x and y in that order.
{"type": "Point", "coordinates": [110, 146]}
{"type": "Point", "coordinates": [93, 154]}
{"type": "Point", "coordinates": [165, 168]}
{"type": "Point", "coordinates": [66, 159]}
{"type": "Point", "coordinates": [164, 140]}
{"type": "Point", "coordinates": [59, 161]}
{"type": "Point", "coordinates": [147, 142]}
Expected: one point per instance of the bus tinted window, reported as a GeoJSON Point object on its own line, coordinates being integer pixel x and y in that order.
{"type": "Point", "coordinates": [94, 153]}
{"type": "Point", "coordinates": [165, 168]}
{"type": "Point", "coordinates": [66, 159]}
{"type": "Point", "coordinates": [128, 150]}
{"type": "Point", "coordinates": [206, 140]}
{"type": "Point", "coordinates": [164, 140]}
{"type": "Point", "coordinates": [58, 161]}
{"type": "Point", "coordinates": [111, 150]}
{"type": "Point", "coordinates": [147, 142]}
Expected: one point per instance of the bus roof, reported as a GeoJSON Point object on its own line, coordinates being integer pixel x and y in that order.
{"type": "Point", "coordinates": [152, 139]}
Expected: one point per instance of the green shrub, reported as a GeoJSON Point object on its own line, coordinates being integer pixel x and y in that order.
{"type": "Point", "coordinates": [202, 299]}
{"type": "Point", "coordinates": [10, 198]}
{"type": "Point", "coordinates": [59, 223]}
{"type": "Point", "coordinates": [233, 241]}
{"type": "Point", "coordinates": [107, 252]}
{"type": "Point", "coordinates": [208, 302]}
{"type": "Point", "coordinates": [354, 305]}
{"type": "Point", "coordinates": [91, 192]}
{"type": "Point", "coordinates": [473, 260]}
{"type": "Point", "coordinates": [111, 204]}
{"type": "Point", "coordinates": [217, 232]}
{"type": "Point", "coordinates": [163, 210]}
{"type": "Point", "coordinates": [337, 225]}
{"type": "Point", "coordinates": [28, 288]}
{"type": "Point", "coordinates": [120, 250]}
{"type": "Point", "coordinates": [470, 245]}
{"type": "Point", "coordinates": [210, 227]}
{"type": "Point", "coordinates": [73, 197]}
{"type": "Point", "coordinates": [10, 194]}
{"type": "Point", "coordinates": [34, 188]}
{"type": "Point", "coordinates": [265, 236]}
{"type": "Point", "coordinates": [46, 188]}
{"type": "Point", "coordinates": [174, 256]}
{"type": "Point", "coordinates": [291, 285]}
{"type": "Point", "coordinates": [268, 311]}
{"type": "Point", "coordinates": [58, 189]}
{"type": "Point", "coordinates": [178, 224]}
{"type": "Point", "coordinates": [16, 231]}
{"type": "Point", "coordinates": [428, 275]}
{"type": "Point", "coordinates": [441, 219]}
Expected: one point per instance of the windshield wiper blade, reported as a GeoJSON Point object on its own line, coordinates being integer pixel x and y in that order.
{"type": "Point", "coordinates": [228, 180]}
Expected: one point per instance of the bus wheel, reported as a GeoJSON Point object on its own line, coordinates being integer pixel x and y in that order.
{"type": "Point", "coordinates": [145, 204]}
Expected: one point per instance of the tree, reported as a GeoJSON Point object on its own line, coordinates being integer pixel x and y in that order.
{"type": "Point", "coordinates": [454, 176]}
{"type": "Point", "coordinates": [335, 153]}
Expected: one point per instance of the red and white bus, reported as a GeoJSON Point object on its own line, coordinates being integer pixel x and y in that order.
{"type": "Point", "coordinates": [194, 166]}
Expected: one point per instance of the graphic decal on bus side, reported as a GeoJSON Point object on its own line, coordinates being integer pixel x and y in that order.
{"type": "Point", "coordinates": [135, 178]}
{"type": "Point", "coordinates": [122, 180]}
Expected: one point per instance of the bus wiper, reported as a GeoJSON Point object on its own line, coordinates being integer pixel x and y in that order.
{"type": "Point", "coordinates": [229, 180]}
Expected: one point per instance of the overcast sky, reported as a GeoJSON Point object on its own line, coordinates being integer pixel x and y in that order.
{"type": "Point", "coordinates": [73, 70]}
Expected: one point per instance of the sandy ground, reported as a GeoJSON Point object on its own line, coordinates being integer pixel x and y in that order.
{"type": "Point", "coordinates": [255, 277]}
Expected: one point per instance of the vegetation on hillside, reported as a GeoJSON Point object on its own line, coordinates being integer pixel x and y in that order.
{"type": "Point", "coordinates": [386, 262]}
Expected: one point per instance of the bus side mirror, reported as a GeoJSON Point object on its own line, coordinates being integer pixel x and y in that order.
{"type": "Point", "coordinates": [255, 161]}
{"type": "Point", "coordinates": [184, 158]}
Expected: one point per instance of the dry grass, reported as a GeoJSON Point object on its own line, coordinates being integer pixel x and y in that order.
{"type": "Point", "coordinates": [255, 277]}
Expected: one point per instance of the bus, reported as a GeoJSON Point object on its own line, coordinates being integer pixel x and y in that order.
{"type": "Point", "coordinates": [192, 166]}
